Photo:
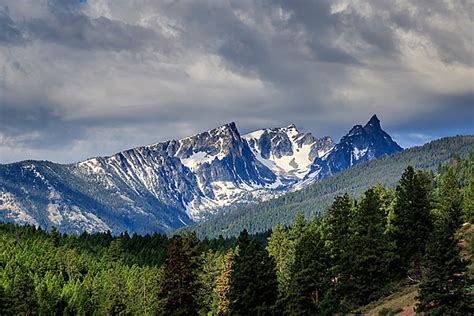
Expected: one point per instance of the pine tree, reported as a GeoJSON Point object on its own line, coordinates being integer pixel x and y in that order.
{"type": "Point", "coordinates": [450, 197]}
{"type": "Point", "coordinates": [115, 301]}
{"type": "Point", "coordinates": [336, 227]}
{"type": "Point", "coordinates": [444, 289]}
{"type": "Point", "coordinates": [211, 263]}
{"type": "Point", "coordinates": [371, 253]}
{"type": "Point", "coordinates": [311, 288]}
{"type": "Point", "coordinates": [4, 301]}
{"type": "Point", "coordinates": [281, 247]}
{"type": "Point", "coordinates": [412, 222]}
{"type": "Point", "coordinates": [48, 293]}
{"type": "Point", "coordinates": [222, 288]}
{"type": "Point", "coordinates": [23, 298]}
{"type": "Point", "coordinates": [115, 251]}
{"type": "Point", "coordinates": [468, 200]}
{"type": "Point", "coordinates": [253, 280]}
{"type": "Point", "coordinates": [179, 287]}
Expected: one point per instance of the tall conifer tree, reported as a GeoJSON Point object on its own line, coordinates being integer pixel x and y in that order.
{"type": "Point", "coordinates": [311, 288]}
{"type": "Point", "coordinates": [179, 287]}
{"type": "Point", "coordinates": [337, 223]}
{"type": "Point", "coordinates": [445, 288]}
{"type": "Point", "coordinates": [450, 199]}
{"type": "Point", "coordinates": [253, 281]}
{"type": "Point", "coordinates": [371, 253]}
{"type": "Point", "coordinates": [412, 222]}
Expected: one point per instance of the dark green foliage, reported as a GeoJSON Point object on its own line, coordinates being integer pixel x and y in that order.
{"type": "Point", "coordinates": [253, 288]}
{"type": "Point", "coordinates": [412, 222]}
{"type": "Point", "coordinates": [336, 226]}
{"type": "Point", "coordinates": [371, 254]}
{"type": "Point", "coordinates": [445, 288]}
{"type": "Point", "coordinates": [4, 301]}
{"type": "Point", "coordinates": [450, 198]}
{"type": "Point", "coordinates": [23, 298]}
{"type": "Point", "coordinates": [468, 203]}
{"type": "Point", "coordinates": [179, 287]}
{"type": "Point", "coordinates": [310, 289]}
{"type": "Point", "coordinates": [326, 266]}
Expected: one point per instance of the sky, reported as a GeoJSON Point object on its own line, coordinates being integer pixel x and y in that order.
{"type": "Point", "coordinates": [85, 78]}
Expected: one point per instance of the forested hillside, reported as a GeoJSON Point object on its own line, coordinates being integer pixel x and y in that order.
{"type": "Point", "coordinates": [360, 250]}
{"type": "Point", "coordinates": [353, 181]}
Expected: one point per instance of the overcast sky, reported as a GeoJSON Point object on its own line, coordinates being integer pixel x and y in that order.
{"type": "Point", "coordinates": [86, 78]}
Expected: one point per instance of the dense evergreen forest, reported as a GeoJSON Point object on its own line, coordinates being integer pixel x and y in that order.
{"type": "Point", "coordinates": [354, 181]}
{"type": "Point", "coordinates": [358, 251]}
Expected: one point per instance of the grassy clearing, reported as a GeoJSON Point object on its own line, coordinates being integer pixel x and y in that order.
{"type": "Point", "coordinates": [400, 303]}
{"type": "Point", "coordinates": [404, 301]}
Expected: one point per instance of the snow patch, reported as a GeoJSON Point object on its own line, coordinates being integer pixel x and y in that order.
{"type": "Point", "coordinates": [358, 153]}
{"type": "Point", "coordinates": [14, 209]}
{"type": "Point", "coordinates": [293, 166]}
{"type": "Point", "coordinates": [199, 158]}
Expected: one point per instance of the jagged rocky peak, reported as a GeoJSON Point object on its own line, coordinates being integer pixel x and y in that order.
{"type": "Point", "coordinates": [362, 143]}
{"type": "Point", "coordinates": [322, 147]}
{"type": "Point", "coordinates": [286, 151]}
{"type": "Point", "coordinates": [217, 141]}
{"type": "Point", "coordinates": [374, 122]}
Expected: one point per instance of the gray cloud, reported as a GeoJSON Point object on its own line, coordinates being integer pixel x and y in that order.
{"type": "Point", "coordinates": [81, 32]}
{"type": "Point", "coordinates": [84, 78]}
{"type": "Point", "coordinates": [9, 32]}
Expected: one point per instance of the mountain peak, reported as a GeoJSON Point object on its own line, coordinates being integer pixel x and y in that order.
{"type": "Point", "coordinates": [374, 121]}
{"type": "Point", "coordinates": [227, 127]}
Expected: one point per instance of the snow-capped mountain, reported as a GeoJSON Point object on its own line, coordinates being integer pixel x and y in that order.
{"type": "Point", "coordinates": [286, 151]}
{"type": "Point", "coordinates": [166, 185]}
{"type": "Point", "coordinates": [200, 173]}
{"type": "Point", "coordinates": [361, 144]}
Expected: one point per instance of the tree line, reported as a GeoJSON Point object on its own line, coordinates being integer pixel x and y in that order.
{"type": "Point", "coordinates": [359, 250]}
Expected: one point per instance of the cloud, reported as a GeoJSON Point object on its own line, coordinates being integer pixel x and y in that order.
{"type": "Point", "coordinates": [9, 34]}
{"type": "Point", "coordinates": [86, 78]}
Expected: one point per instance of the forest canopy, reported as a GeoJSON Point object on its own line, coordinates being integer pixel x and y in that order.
{"type": "Point", "coordinates": [359, 250]}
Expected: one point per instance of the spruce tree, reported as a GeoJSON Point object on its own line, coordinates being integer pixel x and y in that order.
{"type": "Point", "coordinates": [445, 287]}
{"type": "Point", "coordinates": [23, 298]}
{"type": "Point", "coordinates": [278, 246]}
{"type": "Point", "coordinates": [253, 281]}
{"type": "Point", "coordinates": [412, 221]}
{"type": "Point", "coordinates": [371, 253]}
{"type": "Point", "coordinates": [336, 227]}
{"type": "Point", "coordinates": [211, 263]}
{"type": "Point", "coordinates": [310, 290]}
{"type": "Point", "coordinates": [468, 200]}
{"type": "Point", "coordinates": [5, 303]}
{"type": "Point", "coordinates": [281, 247]}
{"type": "Point", "coordinates": [450, 198]}
{"type": "Point", "coordinates": [179, 287]}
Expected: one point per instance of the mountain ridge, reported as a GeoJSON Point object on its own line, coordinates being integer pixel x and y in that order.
{"type": "Point", "coordinates": [315, 198]}
{"type": "Point", "coordinates": [165, 185]}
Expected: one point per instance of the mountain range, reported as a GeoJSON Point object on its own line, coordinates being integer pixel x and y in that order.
{"type": "Point", "coordinates": [163, 186]}
{"type": "Point", "coordinates": [315, 199]}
